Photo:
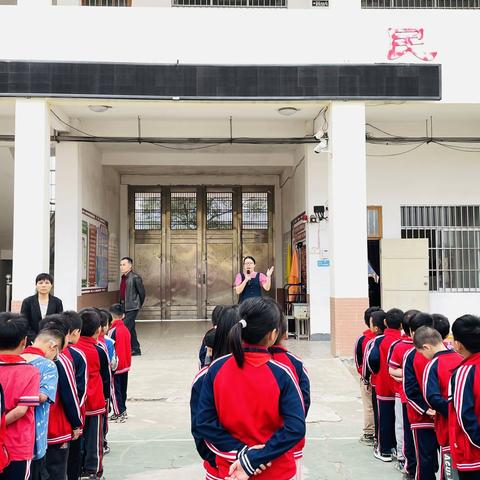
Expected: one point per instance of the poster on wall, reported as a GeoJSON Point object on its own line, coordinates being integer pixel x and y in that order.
{"type": "Point", "coordinates": [94, 253]}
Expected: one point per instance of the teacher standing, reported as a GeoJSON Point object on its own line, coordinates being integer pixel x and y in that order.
{"type": "Point", "coordinates": [249, 283]}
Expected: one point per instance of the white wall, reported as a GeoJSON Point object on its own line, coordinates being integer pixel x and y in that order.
{"type": "Point", "coordinates": [6, 198]}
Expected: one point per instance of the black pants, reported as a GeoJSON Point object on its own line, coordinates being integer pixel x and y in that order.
{"type": "Point", "coordinates": [427, 453]}
{"type": "Point", "coordinates": [386, 426]}
{"type": "Point", "coordinates": [74, 465]}
{"type": "Point", "coordinates": [129, 322]}
{"type": "Point", "coordinates": [469, 475]}
{"type": "Point", "coordinates": [121, 384]}
{"type": "Point", "coordinates": [18, 470]}
{"type": "Point", "coordinates": [38, 469]}
{"type": "Point", "coordinates": [93, 445]}
{"type": "Point", "coordinates": [408, 444]}
{"type": "Point", "coordinates": [375, 411]}
{"type": "Point", "coordinates": [57, 458]}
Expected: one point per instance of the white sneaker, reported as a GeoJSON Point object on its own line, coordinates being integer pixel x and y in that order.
{"type": "Point", "coordinates": [382, 456]}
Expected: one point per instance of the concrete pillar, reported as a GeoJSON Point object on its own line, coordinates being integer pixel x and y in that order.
{"type": "Point", "coordinates": [31, 214]}
{"type": "Point", "coordinates": [68, 233]}
{"type": "Point", "coordinates": [347, 224]}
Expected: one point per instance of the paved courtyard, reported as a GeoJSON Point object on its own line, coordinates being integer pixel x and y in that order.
{"type": "Point", "coordinates": [155, 442]}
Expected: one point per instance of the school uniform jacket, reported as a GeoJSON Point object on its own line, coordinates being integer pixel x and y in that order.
{"type": "Point", "coordinates": [121, 335]}
{"type": "Point", "coordinates": [436, 380]}
{"type": "Point", "coordinates": [368, 377]}
{"type": "Point", "coordinates": [414, 364]}
{"type": "Point", "coordinates": [259, 404]}
{"type": "Point", "coordinates": [395, 357]}
{"type": "Point", "coordinates": [283, 356]}
{"type": "Point", "coordinates": [4, 459]}
{"type": "Point", "coordinates": [360, 347]}
{"type": "Point", "coordinates": [65, 414]}
{"type": "Point", "coordinates": [79, 362]}
{"type": "Point", "coordinates": [464, 414]}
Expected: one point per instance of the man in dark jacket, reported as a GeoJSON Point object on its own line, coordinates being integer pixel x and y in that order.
{"type": "Point", "coordinates": [132, 296]}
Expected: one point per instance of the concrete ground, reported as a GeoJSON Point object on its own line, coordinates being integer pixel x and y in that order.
{"type": "Point", "coordinates": [155, 442]}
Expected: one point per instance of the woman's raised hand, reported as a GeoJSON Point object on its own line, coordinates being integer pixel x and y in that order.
{"type": "Point", "coordinates": [270, 271]}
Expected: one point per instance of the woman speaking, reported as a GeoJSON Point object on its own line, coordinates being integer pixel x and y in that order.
{"type": "Point", "coordinates": [249, 283]}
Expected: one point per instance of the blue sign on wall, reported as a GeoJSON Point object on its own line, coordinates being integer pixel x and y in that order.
{"type": "Point", "coordinates": [324, 262]}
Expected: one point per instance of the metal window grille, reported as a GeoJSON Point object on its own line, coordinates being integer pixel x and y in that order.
{"type": "Point", "coordinates": [107, 3]}
{"type": "Point", "coordinates": [183, 211]}
{"type": "Point", "coordinates": [148, 211]}
{"type": "Point", "coordinates": [219, 211]}
{"type": "Point", "coordinates": [255, 211]}
{"type": "Point", "coordinates": [231, 3]}
{"type": "Point", "coordinates": [454, 244]}
{"type": "Point", "coordinates": [453, 4]}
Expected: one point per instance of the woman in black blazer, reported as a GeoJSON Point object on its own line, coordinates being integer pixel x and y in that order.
{"type": "Point", "coordinates": [38, 306]}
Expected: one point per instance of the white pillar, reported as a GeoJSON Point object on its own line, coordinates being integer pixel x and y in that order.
{"type": "Point", "coordinates": [31, 213]}
{"type": "Point", "coordinates": [347, 223]}
{"type": "Point", "coordinates": [68, 233]}
{"type": "Point", "coordinates": [34, 3]}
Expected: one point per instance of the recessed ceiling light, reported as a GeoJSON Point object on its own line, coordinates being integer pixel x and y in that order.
{"type": "Point", "coordinates": [287, 111]}
{"type": "Point", "coordinates": [99, 108]}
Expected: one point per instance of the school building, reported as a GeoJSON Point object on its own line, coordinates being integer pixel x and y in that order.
{"type": "Point", "coordinates": [190, 133]}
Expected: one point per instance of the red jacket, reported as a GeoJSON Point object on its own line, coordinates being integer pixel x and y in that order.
{"type": "Point", "coordinates": [360, 347]}
{"type": "Point", "coordinates": [436, 380]}
{"type": "Point", "coordinates": [464, 415]}
{"type": "Point", "coordinates": [95, 403]}
{"type": "Point", "coordinates": [4, 460]}
{"type": "Point", "coordinates": [123, 347]}
{"type": "Point", "coordinates": [395, 361]}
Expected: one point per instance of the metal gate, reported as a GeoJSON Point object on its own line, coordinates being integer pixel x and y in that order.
{"type": "Point", "coordinates": [188, 242]}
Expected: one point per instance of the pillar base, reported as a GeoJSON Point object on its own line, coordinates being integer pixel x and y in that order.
{"type": "Point", "coordinates": [347, 323]}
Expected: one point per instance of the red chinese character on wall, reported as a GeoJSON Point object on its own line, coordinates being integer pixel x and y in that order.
{"type": "Point", "coordinates": [408, 40]}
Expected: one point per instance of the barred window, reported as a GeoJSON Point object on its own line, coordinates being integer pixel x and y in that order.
{"type": "Point", "coordinates": [148, 211]}
{"type": "Point", "coordinates": [454, 4]}
{"type": "Point", "coordinates": [454, 244]}
{"type": "Point", "coordinates": [230, 3]}
{"type": "Point", "coordinates": [255, 211]}
{"type": "Point", "coordinates": [183, 211]}
{"type": "Point", "coordinates": [107, 3]}
{"type": "Point", "coordinates": [219, 211]}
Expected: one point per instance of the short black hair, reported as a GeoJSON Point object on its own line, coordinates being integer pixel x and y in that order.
{"type": "Point", "coordinates": [105, 317]}
{"type": "Point", "coordinates": [426, 336]}
{"type": "Point", "coordinates": [57, 321]}
{"type": "Point", "coordinates": [116, 309]}
{"type": "Point", "coordinates": [216, 314]}
{"type": "Point", "coordinates": [407, 316]}
{"type": "Point", "coordinates": [128, 259]}
{"type": "Point", "coordinates": [249, 257]}
{"type": "Point", "coordinates": [378, 319]}
{"type": "Point", "coordinates": [74, 320]}
{"type": "Point", "coordinates": [13, 329]}
{"type": "Point", "coordinates": [421, 319]}
{"type": "Point", "coordinates": [368, 313]}
{"type": "Point", "coordinates": [210, 338]}
{"type": "Point", "coordinates": [441, 324]}
{"type": "Point", "coordinates": [44, 276]}
{"type": "Point", "coordinates": [55, 334]}
{"type": "Point", "coordinates": [394, 318]}
{"type": "Point", "coordinates": [91, 321]}
{"type": "Point", "coordinates": [466, 330]}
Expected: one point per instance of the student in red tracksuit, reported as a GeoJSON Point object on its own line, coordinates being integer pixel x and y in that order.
{"type": "Point", "coordinates": [406, 457]}
{"type": "Point", "coordinates": [384, 386]}
{"type": "Point", "coordinates": [97, 388]}
{"type": "Point", "coordinates": [251, 410]}
{"type": "Point", "coordinates": [226, 318]}
{"type": "Point", "coordinates": [281, 354]}
{"type": "Point", "coordinates": [368, 437]}
{"type": "Point", "coordinates": [464, 407]}
{"type": "Point", "coordinates": [121, 336]}
{"type": "Point", "coordinates": [436, 379]}
{"type": "Point", "coordinates": [419, 412]}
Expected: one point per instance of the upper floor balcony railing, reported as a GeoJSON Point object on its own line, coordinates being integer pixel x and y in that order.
{"type": "Point", "coordinates": [415, 4]}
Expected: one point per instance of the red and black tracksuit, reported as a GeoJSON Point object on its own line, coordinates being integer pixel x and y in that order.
{"type": "Point", "coordinates": [360, 348]}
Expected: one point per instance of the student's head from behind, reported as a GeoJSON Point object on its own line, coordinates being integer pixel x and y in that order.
{"type": "Point", "coordinates": [105, 319]}
{"type": "Point", "coordinates": [377, 322]}
{"type": "Point", "coordinates": [407, 316]}
{"type": "Point", "coordinates": [13, 332]}
{"type": "Point", "coordinates": [258, 325]}
{"type": "Point", "coordinates": [51, 341]}
{"type": "Point", "coordinates": [91, 322]}
{"type": "Point", "coordinates": [44, 283]}
{"type": "Point", "coordinates": [116, 311]}
{"type": "Point", "coordinates": [57, 321]}
{"type": "Point", "coordinates": [441, 324]}
{"type": "Point", "coordinates": [74, 321]}
{"type": "Point", "coordinates": [216, 314]}
{"type": "Point", "coordinates": [368, 313]}
{"type": "Point", "coordinates": [428, 341]}
{"type": "Point", "coordinates": [228, 318]}
{"type": "Point", "coordinates": [282, 328]}
{"type": "Point", "coordinates": [393, 319]}
{"type": "Point", "coordinates": [421, 319]}
{"type": "Point", "coordinates": [126, 264]}
{"type": "Point", "coordinates": [466, 335]}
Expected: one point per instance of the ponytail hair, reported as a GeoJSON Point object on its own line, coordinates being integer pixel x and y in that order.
{"type": "Point", "coordinates": [226, 320]}
{"type": "Point", "coordinates": [258, 317]}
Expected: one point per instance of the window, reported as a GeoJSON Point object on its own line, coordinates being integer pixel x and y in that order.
{"type": "Point", "coordinates": [374, 223]}
{"type": "Point", "coordinates": [148, 211]}
{"type": "Point", "coordinates": [183, 210]}
{"type": "Point", "coordinates": [454, 244]}
{"type": "Point", "coordinates": [219, 211]}
{"type": "Point", "coordinates": [230, 3]}
{"type": "Point", "coordinates": [107, 3]}
{"type": "Point", "coordinates": [421, 4]}
{"type": "Point", "coordinates": [255, 211]}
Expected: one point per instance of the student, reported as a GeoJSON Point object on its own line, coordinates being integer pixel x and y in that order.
{"type": "Point", "coordinates": [217, 311]}
{"type": "Point", "coordinates": [384, 387]}
{"type": "Point", "coordinates": [98, 379]}
{"type": "Point", "coordinates": [419, 412]}
{"type": "Point", "coordinates": [281, 354]}
{"type": "Point", "coordinates": [123, 350]}
{"type": "Point", "coordinates": [247, 437]}
{"type": "Point", "coordinates": [441, 325]}
{"type": "Point", "coordinates": [226, 318]}
{"type": "Point", "coordinates": [436, 379]}
{"type": "Point", "coordinates": [406, 457]}
{"type": "Point", "coordinates": [21, 385]}
{"type": "Point", "coordinates": [368, 437]}
{"type": "Point", "coordinates": [41, 354]}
